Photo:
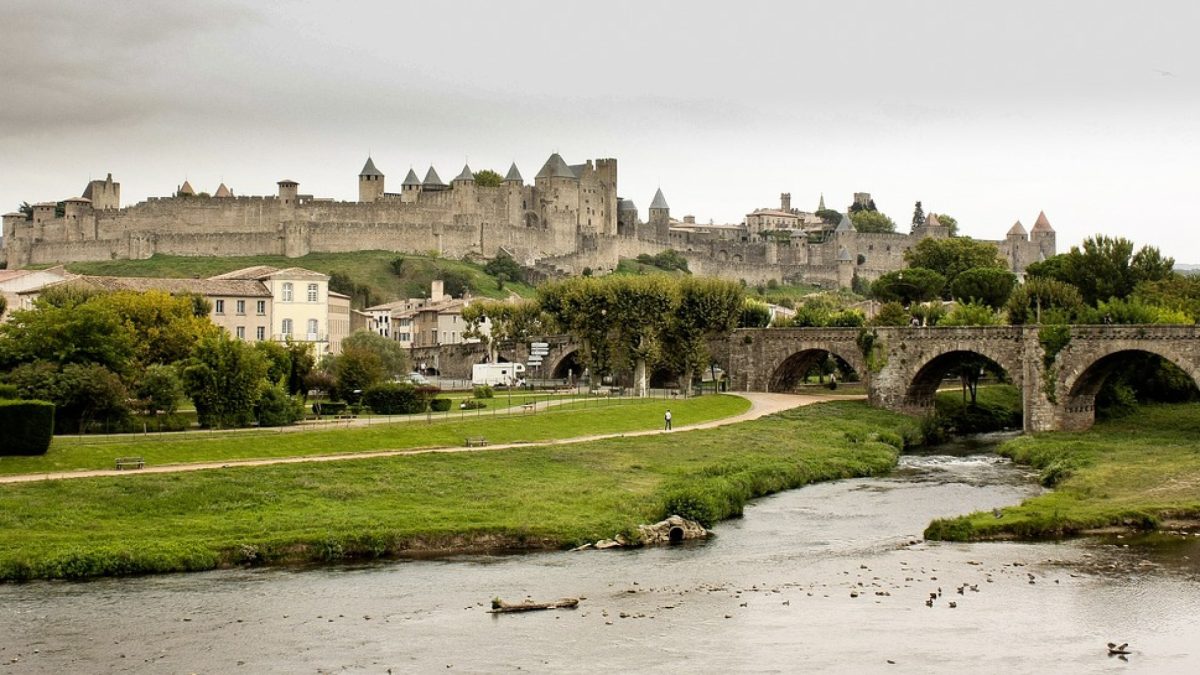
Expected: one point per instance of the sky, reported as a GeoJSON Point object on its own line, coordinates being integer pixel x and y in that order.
{"type": "Point", "coordinates": [986, 111]}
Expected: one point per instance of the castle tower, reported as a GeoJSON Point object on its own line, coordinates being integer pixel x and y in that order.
{"type": "Point", "coordinates": [410, 188]}
{"type": "Point", "coordinates": [1044, 236]}
{"type": "Point", "coordinates": [464, 176]}
{"type": "Point", "coordinates": [1016, 233]}
{"type": "Point", "coordinates": [76, 208]}
{"type": "Point", "coordinates": [785, 201]}
{"type": "Point", "coordinates": [185, 190]}
{"type": "Point", "coordinates": [627, 217]}
{"type": "Point", "coordinates": [932, 227]}
{"type": "Point", "coordinates": [223, 192]}
{"type": "Point", "coordinates": [370, 182]}
{"type": "Point", "coordinates": [845, 226]}
{"type": "Point", "coordinates": [433, 182]}
{"type": "Point", "coordinates": [845, 268]}
{"type": "Point", "coordinates": [105, 194]}
{"type": "Point", "coordinates": [288, 189]}
{"type": "Point", "coordinates": [660, 217]}
{"type": "Point", "coordinates": [513, 175]}
{"type": "Point", "coordinates": [11, 221]}
{"type": "Point", "coordinates": [557, 189]}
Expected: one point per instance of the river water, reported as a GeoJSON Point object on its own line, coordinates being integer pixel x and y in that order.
{"type": "Point", "coordinates": [828, 578]}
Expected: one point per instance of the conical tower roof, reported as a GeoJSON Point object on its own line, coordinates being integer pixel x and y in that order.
{"type": "Point", "coordinates": [186, 189]}
{"type": "Point", "coordinates": [411, 179]}
{"type": "Point", "coordinates": [821, 204]}
{"type": "Point", "coordinates": [555, 167]}
{"type": "Point", "coordinates": [433, 179]}
{"type": "Point", "coordinates": [369, 169]}
{"type": "Point", "coordinates": [223, 191]}
{"type": "Point", "coordinates": [513, 174]}
{"type": "Point", "coordinates": [465, 174]}
{"type": "Point", "coordinates": [1017, 229]}
{"type": "Point", "coordinates": [1042, 224]}
{"type": "Point", "coordinates": [845, 225]}
{"type": "Point", "coordinates": [931, 220]}
{"type": "Point", "coordinates": [660, 202]}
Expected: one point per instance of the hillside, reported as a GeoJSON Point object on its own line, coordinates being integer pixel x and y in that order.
{"type": "Point", "coordinates": [370, 272]}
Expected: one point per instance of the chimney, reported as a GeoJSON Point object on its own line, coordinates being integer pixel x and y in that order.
{"type": "Point", "coordinates": [785, 201]}
{"type": "Point", "coordinates": [436, 292]}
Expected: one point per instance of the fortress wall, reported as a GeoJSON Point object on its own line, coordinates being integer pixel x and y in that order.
{"type": "Point", "coordinates": [883, 252]}
{"type": "Point", "coordinates": [76, 251]}
{"type": "Point", "coordinates": [191, 216]}
{"type": "Point", "coordinates": [213, 244]}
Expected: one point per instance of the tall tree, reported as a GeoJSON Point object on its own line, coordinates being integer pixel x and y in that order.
{"type": "Point", "coordinates": [508, 322]}
{"type": "Point", "coordinates": [915, 284]}
{"type": "Point", "coordinates": [393, 359]}
{"type": "Point", "coordinates": [951, 257]}
{"type": "Point", "coordinates": [222, 378]}
{"type": "Point", "coordinates": [918, 218]}
{"type": "Point", "coordinates": [1048, 301]}
{"type": "Point", "coordinates": [871, 221]}
{"type": "Point", "coordinates": [1105, 267]}
{"type": "Point", "coordinates": [988, 285]}
{"type": "Point", "coordinates": [706, 308]}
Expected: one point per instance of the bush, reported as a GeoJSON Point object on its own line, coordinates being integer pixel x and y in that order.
{"type": "Point", "coordinates": [8, 391]}
{"type": "Point", "coordinates": [439, 405]}
{"type": "Point", "coordinates": [483, 391]}
{"type": "Point", "coordinates": [471, 404]}
{"type": "Point", "coordinates": [28, 427]}
{"type": "Point", "coordinates": [275, 408]}
{"type": "Point", "coordinates": [329, 408]}
{"type": "Point", "coordinates": [693, 504]}
{"type": "Point", "coordinates": [392, 398]}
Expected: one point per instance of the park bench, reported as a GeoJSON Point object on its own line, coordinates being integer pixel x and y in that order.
{"type": "Point", "coordinates": [476, 442]}
{"type": "Point", "coordinates": [130, 463]}
{"type": "Point", "coordinates": [527, 407]}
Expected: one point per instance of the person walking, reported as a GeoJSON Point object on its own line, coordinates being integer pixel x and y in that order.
{"type": "Point", "coordinates": [667, 420]}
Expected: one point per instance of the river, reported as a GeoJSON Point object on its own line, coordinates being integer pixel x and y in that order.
{"type": "Point", "coordinates": [828, 578]}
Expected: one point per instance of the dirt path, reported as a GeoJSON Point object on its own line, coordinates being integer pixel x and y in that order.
{"type": "Point", "coordinates": [761, 404]}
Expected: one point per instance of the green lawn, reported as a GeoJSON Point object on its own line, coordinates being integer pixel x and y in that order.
{"type": "Point", "coordinates": [372, 268]}
{"type": "Point", "coordinates": [574, 419]}
{"type": "Point", "coordinates": [535, 497]}
{"type": "Point", "coordinates": [1136, 471]}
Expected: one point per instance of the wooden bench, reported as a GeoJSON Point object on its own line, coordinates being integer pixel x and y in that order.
{"type": "Point", "coordinates": [476, 442]}
{"type": "Point", "coordinates": [527, 407]}
{"type": "Point", "coordinates": [130, 463]}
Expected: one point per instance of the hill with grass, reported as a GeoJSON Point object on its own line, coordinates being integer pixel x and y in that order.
{"type": "Point", "coordinates": [369, 277]}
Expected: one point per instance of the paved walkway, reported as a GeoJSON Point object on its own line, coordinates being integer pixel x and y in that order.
{"type": "Point", "coordinates": [761, 404]}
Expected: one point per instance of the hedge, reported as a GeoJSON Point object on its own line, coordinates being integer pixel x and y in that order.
{"type": "Point", "coordinates": [28, 427]}
{"type": "Point", "coordinates": [439, 404]}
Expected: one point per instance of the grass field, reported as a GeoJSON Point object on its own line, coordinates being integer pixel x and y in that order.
{"type": "Point", "coordinates": [372, 268]}
{"type": "Point", "coordinates": [565, 421]}
{"type": "Point", "coordinates": [1136, 471]}
{"type": "Point", "coordinates": [535, 497]}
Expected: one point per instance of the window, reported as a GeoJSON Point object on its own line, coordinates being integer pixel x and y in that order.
{"type": "Point", "coordinates": [312, 329]}
{"type": "Point", "coordinates": [287, 291]}
{"type": "Point", "coordinates": [260, 333]}
{"type": "Point", "coordinates": [241, 332]}
{"type": "Point", "coordinates": [241, 306]}
{"type": "Point", "coordinates": [261, 307]}
{"type": "Point", "coordinates": [312, 292]}
{"type": "Point", "coordinates": [287, 327]}
{"type": "Point", "coordinates": [219, 306]}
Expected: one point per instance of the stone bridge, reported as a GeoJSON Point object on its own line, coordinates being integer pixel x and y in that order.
{"type": "Point", "coordinates": [903, 367]}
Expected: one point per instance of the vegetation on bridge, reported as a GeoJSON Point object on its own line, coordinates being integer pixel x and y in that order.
{"type": "Point", "coordinates": [1141, 471]}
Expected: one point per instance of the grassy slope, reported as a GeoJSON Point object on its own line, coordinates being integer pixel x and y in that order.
{"type": "Point", "coordinates": [568, 420]}
{"type": "Point", "coordinates": [372, 268]}
{"type": "Point", "coordinates": [534, 497]}
{"type": "Point", "coordinates": [1134, 471]}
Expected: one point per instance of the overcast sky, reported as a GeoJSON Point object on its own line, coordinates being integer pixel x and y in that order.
{"type": "Point", "coordinates": [987, 111]}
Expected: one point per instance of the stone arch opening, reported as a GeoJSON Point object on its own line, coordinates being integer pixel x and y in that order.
{"type": "Point", "coordinates": [810, 367]}
{"type": "Point", "coordinates": [568, 367]}
{"type": "Point", "coordinates": [965, 367]}
{"type": "Point", "coordinates": [722, 255]}
{"type": "Point", "coordinates": [532, 219]}
{"type": "Point", "coordinates": [1082, 391]}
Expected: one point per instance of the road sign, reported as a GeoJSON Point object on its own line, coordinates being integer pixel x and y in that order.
{"type": "Point", "coordinates": [536, 345]}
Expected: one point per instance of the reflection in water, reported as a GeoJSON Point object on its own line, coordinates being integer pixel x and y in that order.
{"type": "Point", "coordinates": [832, 577]}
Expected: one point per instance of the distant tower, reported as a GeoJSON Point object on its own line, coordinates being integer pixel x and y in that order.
{"type": "Point", "coordinates": [513, 175]}
{"type": "Point", "coordinates": [785, 201]}
{"type": "Point", "coordinates": [845, 226]}
{"type": "Point", "coordinates": [821, 204]}
{"type": "Point", "coordinates": [1044, 236]}
{"type": "Point", "coordinates": [433, 182]}
{"type": "Point", "coordinates": [370, 182]}
{"type": "Point", "coordinates": [185, 190]}
{"type": "Point", "coordinates": [660, 217]}
{"type": "Point", "coordinates": [627, 217]}
{"type": "Point", "coordinates": [288, 190]}
{"type": "Point", "coordinates": [105, 194]}
{"type": "Point", "coordinates": [464, 176]}
{"type": "Point", "coordinates": [845, 268]}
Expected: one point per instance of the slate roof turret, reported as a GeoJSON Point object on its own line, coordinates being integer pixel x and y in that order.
{"type": "Point", "coordinates": [432, 179]}
{"type": "Point", "coordinates": [411, 179]}
{"type": "Point", "coordinates": [369, 169]}
{"type": "Point", "coordinates": [513, 174]}
{"type": "Point", "coordinates": [1017, 230]}
{"type": "Point", "coordinates": [555, 167]}
{"type": "Point", "coordinates": [846, 225]}
{"type": "Point", "coordinates": [660, 202]}
{"type": "Point", "coordinates": [464, 175]}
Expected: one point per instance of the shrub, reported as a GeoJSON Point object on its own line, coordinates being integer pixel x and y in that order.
{"type": "Point", "coordinates": [693, 504]}
{"type": "Point", "coordinates": [471, 404]}
{"type": "Point", "coordinates": [8, 391]}
{"type": "Point", "coordinates": [392, 398]}
{"type": "Point", "coordinates": [28, 426]}
{"type": "Point", "coordinates": [439, 405]}
{"type": "Point", "coordinates": [483, 391]}
{"type": "Point", "coordinates": [329, 408]}
{"type": "Point", "coordinates": [275, 408]}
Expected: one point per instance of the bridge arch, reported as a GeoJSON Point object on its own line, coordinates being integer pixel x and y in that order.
{"type": "Point", "coordinates": [566, 366]}
{"type": "Point", "coordinates": [929, 373]}
{"type": "Point", "coordinates": [792, 369]}
{"type": "Point", "coordinates": [1086, 373]}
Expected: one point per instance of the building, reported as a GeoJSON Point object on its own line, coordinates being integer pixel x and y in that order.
{"type": "Point", "coordinates": [424, 322]}
{"type": "Point", "coordinates": [14, 282]}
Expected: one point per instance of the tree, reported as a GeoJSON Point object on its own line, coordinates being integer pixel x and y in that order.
{"type": "Point", "coordinates": [82, 393]}
{"type": "Point", "coordinates": [26, 209]}
{"type": "Point", "coordinates": [456, 283]}
{"type": "Point", "coordinates": [278, 360]}
{"type": "Point", "coordinates": [641, 308]}
{"type": "Point", "coordinates": [504, 264]}
{"type": "Point", "coordinates": [361, 295]}
{"type": "Point", "coordinates": [488, 178]}
{"type": "Point", "coordinates": [754, 314]}
{"type": "Point", "coordinates": [1106, 267]}
{"type": "Point", "coordinates": [951, 257]}
{"type": "Point", "coordinates": [891, 314]}
{"type": "Point", "coordinates": [509, 322]}
{"type": "Point", "coordinates": [829, 216]}
{"type": "Point", "coordinates": [988, 285]}
{"type": "Point", "coordinates": [915, 284]}
{"type": "Point", "coordinates": [1178, 292]}
{"type": "Point", "coordinates": [972, 313]}
{"type": "Point", "coordinates": [85, 333]}
{"type": "Point", "coordinates": [392, 357]}
{"type": "Point", "coordinates": [706, 308]}
{"type": "Point", "coordinates": [274, 407]}
{"type": "Point", "coordinates": [1047, 301]}
{"type": "Point", "coordinates": [918, 219]}
{"type": "Point", "coordinates": [302, 362]}
{"type": "Point", "coordinates": [355, 370]}
{"type": "Point", "coordinates": [871, 221]}
{"type": "Point", "coordinates": [158, 389]}
{"type": "Point", "coordinates": [222, 378]}
{"type": "Point", "coordinates": [3, 304]}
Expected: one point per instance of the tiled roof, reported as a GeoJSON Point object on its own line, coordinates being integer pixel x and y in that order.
{"type": "Point", "coordinates": [1042, 224]}
{"type": "Point", "coordinates": [210, 287]}
{"type": "Point", "coordinates": [254, 273]}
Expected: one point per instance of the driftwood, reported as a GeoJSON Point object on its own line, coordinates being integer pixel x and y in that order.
{"type": "Point", "coordinates": [501, 607]}
{"type": "Point", "coordinates": [1115, 649]}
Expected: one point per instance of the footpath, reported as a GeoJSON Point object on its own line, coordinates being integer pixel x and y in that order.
{"type": "Point", "coordinates": [761, 404]}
